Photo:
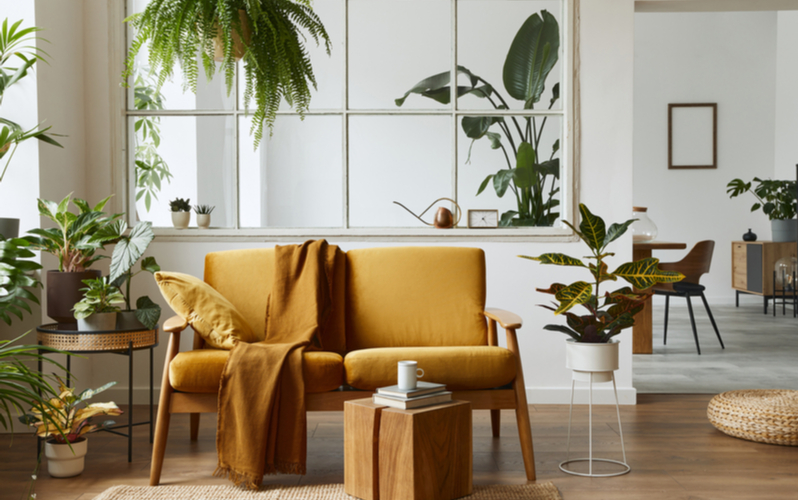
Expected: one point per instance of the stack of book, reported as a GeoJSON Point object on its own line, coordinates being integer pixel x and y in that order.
{"type": "Point", "coordinates": [425, 394]}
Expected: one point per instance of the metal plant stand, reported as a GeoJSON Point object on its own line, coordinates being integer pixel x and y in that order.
{"type": "Point", "coordinates": [122, 342]}
{"type": "Point", "coordinates": [591, 459]}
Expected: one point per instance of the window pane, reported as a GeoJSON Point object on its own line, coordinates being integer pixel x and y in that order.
{"type": "Point", "coordinates": [183, 157]}
{"type": "Point", "coordinates": [142, 91]}
{"type": "Point", "coordinates": [293, 179]}
{"type": "Point", "coordinates": [397, 158]}
{"type": "Point", "coordinates": [486, 29]}
{"type": "Point", "coordinates": [393, 45]}
{"type": "Point", "coordinates": [481, 161]}
{"type": "Point", "coordinates": [327, 69]}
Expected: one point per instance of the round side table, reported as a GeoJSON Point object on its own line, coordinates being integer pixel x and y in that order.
{"type": "Point", "coordinates": [122, 342]}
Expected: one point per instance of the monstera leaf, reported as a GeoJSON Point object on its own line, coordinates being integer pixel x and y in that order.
{"type": "Point", "coordinates": [532, 55]}
{"type": "Point", "coordinates": [645, 273]}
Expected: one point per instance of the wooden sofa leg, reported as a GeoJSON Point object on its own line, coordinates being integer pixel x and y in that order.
{"type": "Point", "coordinates": [495, 423]}
{"type": "Point", "coordinates": [523, 419]}
{"type": "Point", "coordinates": [194, 425]}
{"type": "Point", "coordinates": [162, 420]}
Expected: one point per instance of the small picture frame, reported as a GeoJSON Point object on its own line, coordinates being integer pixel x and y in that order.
{"type": "Point", "coordinates": [692, 135]}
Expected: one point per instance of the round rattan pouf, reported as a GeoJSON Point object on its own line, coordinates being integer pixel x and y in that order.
{"type": "Point", "coordinates": [765, 416]}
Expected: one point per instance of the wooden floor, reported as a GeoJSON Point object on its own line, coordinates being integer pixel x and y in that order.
{"type": "Point", "coordinates": [673, 451]}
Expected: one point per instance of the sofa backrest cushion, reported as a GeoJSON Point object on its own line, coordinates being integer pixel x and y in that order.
{"type": "Point", "coordinates": [244, 277]}
{"type": "Point", "coordinates": [415, 296]}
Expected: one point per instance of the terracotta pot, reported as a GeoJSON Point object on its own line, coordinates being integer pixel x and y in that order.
{"type": "Point", "coordinates": [63, 292]}
{"type": "Point", "coordinates": [238, 46]}
{"type": "Point", "coordinates": [63, 461]}
{"type": "Point", "coordinates": [98, 322]}
{"type": "Point", "coordinates": [181, 219]}
{"type": "Point", "coordinates": [9, 228]}
{"type": "Point", "coordinates": [598, 359]}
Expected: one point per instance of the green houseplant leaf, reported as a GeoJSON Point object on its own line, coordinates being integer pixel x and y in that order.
{"type": "Point", "coordinates": [532, 55]}
{"type": "Point", "coordinates": [147, 312]}
{"type": "Point", "coordinates": [645, 273]}
{"type": "Point", "coordinates": [130, 249]}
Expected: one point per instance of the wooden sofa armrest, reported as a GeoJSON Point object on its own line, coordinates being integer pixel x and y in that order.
{"type": "Point", "coordinates": [175, 324]}
{"type": "Point", "coordinates": [506, 319]}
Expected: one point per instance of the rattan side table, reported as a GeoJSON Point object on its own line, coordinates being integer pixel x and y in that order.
{"type": "Point", "coordinates": [122, 342]}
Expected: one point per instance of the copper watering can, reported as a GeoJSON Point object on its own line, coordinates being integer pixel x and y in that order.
{"type": "Point", "coordinates": [443, 218]}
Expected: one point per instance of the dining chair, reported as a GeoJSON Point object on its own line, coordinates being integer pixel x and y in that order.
{"type": "Point", "coordinates": [695, 264]}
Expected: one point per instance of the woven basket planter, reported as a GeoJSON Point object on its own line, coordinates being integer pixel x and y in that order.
{"type": "Point", "coordinates": [765, 416]}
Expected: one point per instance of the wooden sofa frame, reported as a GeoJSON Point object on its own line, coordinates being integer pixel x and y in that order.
{"type": "Point", "coordinates": [494, 400]}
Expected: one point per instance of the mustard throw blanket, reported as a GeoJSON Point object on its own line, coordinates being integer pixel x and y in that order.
{"type": "Point", "coordinates": [261, 427]}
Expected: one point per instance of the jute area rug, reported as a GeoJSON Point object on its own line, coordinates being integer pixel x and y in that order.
{"type": "Point", "coordinates": [538, 491]}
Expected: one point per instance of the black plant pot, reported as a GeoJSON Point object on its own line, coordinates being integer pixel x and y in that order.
{"type": "Point", "coordinates": [63, 292]}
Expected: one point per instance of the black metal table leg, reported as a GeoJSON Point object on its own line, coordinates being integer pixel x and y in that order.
{"type": "Point", "coordinates": [151, 394]}
{"type": "Point", "coordinates": [69, 370]}
{"type": "Point", "coordinates": [737, 298]}
{"type": "Point", "coordinates": [38, 439]}
{"type": "Point", "coordinates": [130, 401]}
{"type": "Point", "coordinates": [666, 318]}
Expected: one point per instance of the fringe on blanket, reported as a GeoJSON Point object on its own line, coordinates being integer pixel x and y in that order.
{"type": "Point", "coordinates": [249, 481]}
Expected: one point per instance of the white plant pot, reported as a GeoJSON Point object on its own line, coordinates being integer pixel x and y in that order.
{"type": "Point", "coordinates": [63, 461]}
{"type": "Point", "coordinates": [592, 362]}
{"type": "Point", "coordinates": [98, 322]}
{"type": "Point", "coordinates": [203, 221]}
{"type": "Point", "coordinates": [181, 219]}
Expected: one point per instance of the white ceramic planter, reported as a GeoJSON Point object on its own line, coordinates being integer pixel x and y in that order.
{"type": "Point", "coordinates": [587, 359]}
{"type": "Point", "coordinates": [181, 219]}
{"type": "Point", "coordinates": [98, 322]}
{"type": "Point", "coordinates": [203, 221]}
{"type": "Point", "coordinates": [63, 461]}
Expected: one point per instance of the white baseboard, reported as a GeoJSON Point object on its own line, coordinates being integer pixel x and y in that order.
{"type": "Point", "coordinates": [603, 394]}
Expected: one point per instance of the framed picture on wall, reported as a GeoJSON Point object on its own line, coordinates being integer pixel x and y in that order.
{"type": "Point", "coordinates": [692, 141]}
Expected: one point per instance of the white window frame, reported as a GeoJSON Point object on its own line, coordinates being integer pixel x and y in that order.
{"type": "Point", "coordinates": [125, 185]}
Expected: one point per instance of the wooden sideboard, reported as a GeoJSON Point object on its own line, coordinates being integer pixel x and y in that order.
{"type": "Point", "coordinates": [752, 263]}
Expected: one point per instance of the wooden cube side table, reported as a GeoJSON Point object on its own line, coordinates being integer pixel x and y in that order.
{"type": "Point", "coordinates": [418, 454]}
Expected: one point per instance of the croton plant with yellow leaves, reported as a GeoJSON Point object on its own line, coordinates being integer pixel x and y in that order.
{"type": "Point", "coordinates": [616, 311]}
{"type": "Point", "coordinates": [67, 422]}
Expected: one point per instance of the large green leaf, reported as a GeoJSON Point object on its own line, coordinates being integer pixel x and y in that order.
{"type": "Point", "coordinates": [563, 329]}
{"type": "Point", "coordinates": [532, 55]}
{"type": "Point", "coordinates": [645, 273]}
{"type": "Point", "coordinates": [593, 228]}
{"type": "Point", "coordinates": [525, 175]}
{"type": "Point", "coordinates": [147, 312]}
{"type": "Point", "coordinates": [616, 230]}
{"type": "Point", "coordinates": [434, 87]}
{"type": "Point", "coordinates": [558, 259]}
{"type": "Point", "coordinates": [574, 295]}
{"type": "Point", "coordinates": [130, 248]}
{"type": "Point", "coordinates": [501, 181]}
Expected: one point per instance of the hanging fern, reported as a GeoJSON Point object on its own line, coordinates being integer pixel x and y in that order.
{"type": "Point", "coordinates": [276, 63]}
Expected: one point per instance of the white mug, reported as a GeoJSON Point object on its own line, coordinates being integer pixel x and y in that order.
{"type": "Point", "coordinates": [407, 374]}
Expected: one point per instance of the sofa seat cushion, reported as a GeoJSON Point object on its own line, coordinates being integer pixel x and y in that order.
{"type": "Point", "coordinates": [460, 368]}
{"type": "Point", "coordinates": [200, 370]}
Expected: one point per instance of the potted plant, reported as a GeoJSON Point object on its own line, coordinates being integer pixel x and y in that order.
{"type": "Point", "coordinates": [591, 346]}
{"type": "Point", "coordinates": [18, 54]}
{"type": "Point", "coordinates": [203, 215]}
{"type": "Point", "coordinates": [128, 250]}
{"type": "Point", "coordinates": [97, 310]}
{"type": "Point", "coordinates": [532, 55]}
{"type": "Point", "coordinates": [74, 242]}
{"type": "Point", "coordinates": [777, 199]}
{"type": "Point", "coordinates": [66, 420]}
{"type": "Point", "coordinates": [181, 212]}
{"type": "Point", "coordinates": [276, 63]}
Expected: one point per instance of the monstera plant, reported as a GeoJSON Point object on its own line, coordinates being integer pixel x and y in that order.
{"type": "Point", "coordinates": [611, 312]}
{"type": "Point", "coordinates": [532, 168]}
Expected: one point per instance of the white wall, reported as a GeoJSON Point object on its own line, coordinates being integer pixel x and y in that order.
{"type": "Point", "coordinates": [723, 57]}
{"type": "Point", "coordinates": [605, 177]}
{"type": "Point", "coordinates": [786, 96]}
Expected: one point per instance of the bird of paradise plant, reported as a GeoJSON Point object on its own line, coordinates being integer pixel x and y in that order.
{"type": "Point", "coordinates": [618, 307]}
{"type": "Point", "coordinates": [64, 420]}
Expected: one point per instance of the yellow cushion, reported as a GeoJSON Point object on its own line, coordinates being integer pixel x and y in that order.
{"type": "Point", "coordinates": [244, 277]}
{"type": "Point", "coordinates": [210, 314]}
{"type": "Point", "coordinates": [201, 369]}
{"type": "Point", "coordinates": [460, 368]}
{"type": "Point", "coordinates": [415, 296]}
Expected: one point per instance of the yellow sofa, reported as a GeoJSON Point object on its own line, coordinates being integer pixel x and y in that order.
{"type": "Point", "coordinates": [396, 303]}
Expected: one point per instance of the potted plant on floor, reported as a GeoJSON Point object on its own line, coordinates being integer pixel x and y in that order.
{"type": "Point", "coordinates": [531, 57]}
{"type": "Point", "coordinates": [97, 310]}
{"type": "Point", "coordinates": [181, 212]}
{"type": "Point", "coordinates": [18, 54]}
{"type": "Point", "coordinates": [74, 242]}
{"type": "Point", "coordinates": [591, 346]}
{"type": "Point", "coordinates": [777, 199]}
{"type": "Point", "coordinates": [66, 419]}
{"type": "Point", "coordinates": [276, 63]}
{"type": "Point", "coordinates": [128, 250]}
{"type": "Point", "coordinates": [203, 215]}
